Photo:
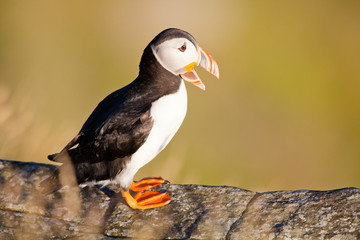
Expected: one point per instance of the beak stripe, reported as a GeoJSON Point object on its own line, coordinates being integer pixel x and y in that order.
{"type": "Point", "coordinates": [199, 84]}
{"type": "Point", "coordinates": [209, 63]}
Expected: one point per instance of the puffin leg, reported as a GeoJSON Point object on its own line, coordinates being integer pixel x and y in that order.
{"type": "Point", "coordinates": [146, 200]}
{"type": "Point", "coordinates": [147, 183]}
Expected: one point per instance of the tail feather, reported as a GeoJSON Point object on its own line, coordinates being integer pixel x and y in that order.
{"type": "Point", "coordinates": [56, 157]}
{"type": "Point", "coordinates": [52, 157]}
{"type": "Point", "coordinates": [65, 155]}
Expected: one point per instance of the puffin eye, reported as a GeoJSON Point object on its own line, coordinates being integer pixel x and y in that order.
{"type": "Point", "coordinates": [182, 48]}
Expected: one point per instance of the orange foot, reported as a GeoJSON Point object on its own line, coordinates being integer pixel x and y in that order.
{"type": "Point", "coordinates": [146, 199]}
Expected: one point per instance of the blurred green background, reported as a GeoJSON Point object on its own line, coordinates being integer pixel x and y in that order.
{"type": "Point", "coordinates": [285, 113]}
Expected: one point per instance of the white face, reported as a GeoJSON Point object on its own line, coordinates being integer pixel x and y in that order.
{"type": "Point", "coordinates": [175, 54]}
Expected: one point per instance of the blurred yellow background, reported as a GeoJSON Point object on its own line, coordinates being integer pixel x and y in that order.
{"type": "Point", "coordinates": [285, 113]}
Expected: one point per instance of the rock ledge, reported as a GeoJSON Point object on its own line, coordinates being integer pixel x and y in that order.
{"type": "Point", "coordinates": [196, 212]}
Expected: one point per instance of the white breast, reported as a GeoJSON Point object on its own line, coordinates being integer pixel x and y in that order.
{"type": "Point", "coordinates": [168, 113]}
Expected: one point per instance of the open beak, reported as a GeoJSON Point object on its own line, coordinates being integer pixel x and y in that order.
{"type": "Point", "coordinates": [205, 61]}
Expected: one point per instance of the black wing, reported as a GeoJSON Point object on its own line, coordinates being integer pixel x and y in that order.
{"type": "Point", "coordinates": [117, 127]}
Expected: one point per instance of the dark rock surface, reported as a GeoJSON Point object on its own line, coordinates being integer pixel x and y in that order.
{"type": "Point", "coordinates": [196, 212]}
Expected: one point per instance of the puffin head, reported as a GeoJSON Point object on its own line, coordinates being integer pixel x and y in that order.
{"type": "Point", "coordinates": [178, 52]}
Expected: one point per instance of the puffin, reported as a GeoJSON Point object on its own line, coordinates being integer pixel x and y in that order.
{"type": "Point", "coordinates": [132, 125]}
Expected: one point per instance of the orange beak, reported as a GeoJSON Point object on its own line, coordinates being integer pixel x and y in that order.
{"type": "Point", "coordinates": [205, 61]}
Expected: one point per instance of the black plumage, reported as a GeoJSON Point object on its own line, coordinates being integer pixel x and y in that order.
{"type": "Point", "coordinates": [121, 123]}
